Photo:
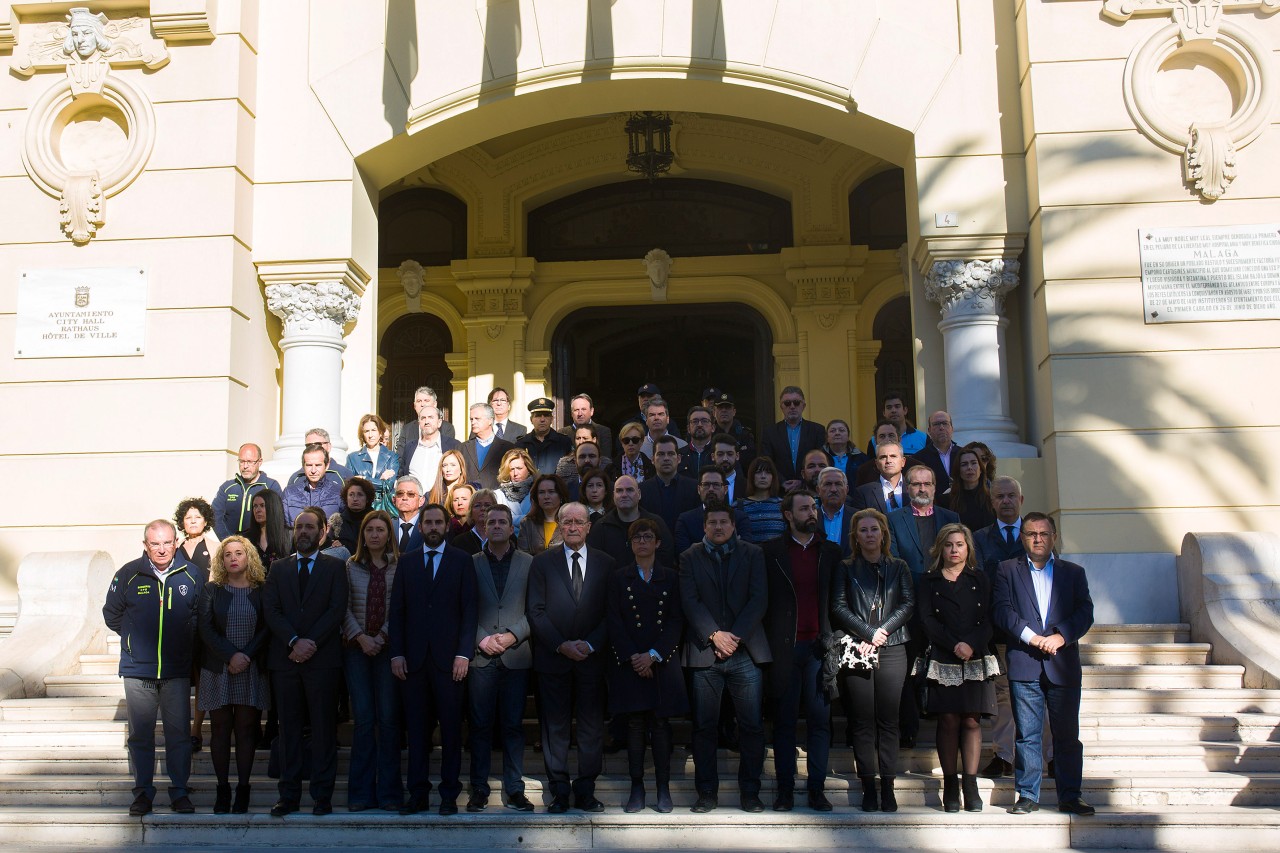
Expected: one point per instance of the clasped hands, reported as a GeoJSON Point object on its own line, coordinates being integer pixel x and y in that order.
{"type": "Point", "coordinates": [725, 643]}
{"type": "Point", "coordinates": [302, 650]}
{"type": "Point", "coordinates": [576, 650]}
{"type": "Point", "coordinates": [1049, 645]}
{"type": "Point", "coordinates": [495, 644]}
{"type": "Point", "coordinates": [642, 664]}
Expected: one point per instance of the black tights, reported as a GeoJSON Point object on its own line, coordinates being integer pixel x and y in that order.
{"type": "Point", "coordinates": [245, 720]}
{"type": "Point", "coordinates": [960, 731]}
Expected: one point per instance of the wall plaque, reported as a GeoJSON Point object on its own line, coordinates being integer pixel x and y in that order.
{"type": "Point", "coordinates": [1216, 273]}
{"type": "Point", "coordinates": [81, 312]}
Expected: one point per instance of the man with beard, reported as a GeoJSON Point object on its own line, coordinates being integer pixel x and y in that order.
{"type": "Point", "coordinates": [711, 489]}
{"type": "Point", "coordinates": [304, 601]}
{"type": "Point", "coordinates": [800, 564]}
{"type": "Point", "coordinates": [698, 451]}
{"type": "Point", "coordinates": [726, 415]}
{"type": "Point", "coordinates": [814, 462]}
{"type": "Point", "coordinates": [566, 607]}
{"type": "Point", "coordinates": [432, 634]}
{"type": "Point", "coordinates": [724, 455]}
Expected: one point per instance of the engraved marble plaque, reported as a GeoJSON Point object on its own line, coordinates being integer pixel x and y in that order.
{"type": "Point", "coordinates": [70, 313]}
{"type": "Point", "coordinates": [1214, 273]}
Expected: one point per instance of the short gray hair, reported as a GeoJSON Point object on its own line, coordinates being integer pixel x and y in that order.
{"type": "Point", "coordinates": [409, 478]}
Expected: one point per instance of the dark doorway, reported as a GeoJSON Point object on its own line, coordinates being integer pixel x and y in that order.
{"type": "Point", "coordinates": [414, 348]}
{"type": "Point", "coordinates": [895, 368]}
{"type": "Point", "coordinates": [610, 352]}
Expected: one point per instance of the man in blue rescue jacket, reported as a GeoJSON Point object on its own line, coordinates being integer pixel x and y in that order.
{"type": "Point", "coordinates": [152, 606]}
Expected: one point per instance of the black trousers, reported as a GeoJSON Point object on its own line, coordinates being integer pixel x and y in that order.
{"type": "Point", "coordinates": [306, 694]}
{"type": "Point", "coordinates": [576, 695]}
{"type": "Point", "coordinates": [876, 695]}
{"type": "Point", "coordinates": [432, 696]}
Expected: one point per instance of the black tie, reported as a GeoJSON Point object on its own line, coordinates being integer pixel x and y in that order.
{"type": "Point", "coordinates": [1008, 535]}
{"type": "Point", "coordinates": [405, 530]}
{"type": "Point", "coordinates": [577, 576]}
{"type": "Point", "coordinates": [893, 500]}
{"type": "Point", "coordinates": [431, 564]}
{"type": "Point", "coordinates": [304, 574]}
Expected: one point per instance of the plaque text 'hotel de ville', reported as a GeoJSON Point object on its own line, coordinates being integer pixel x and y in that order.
{"type": "Point", "coordinates": [1219, 273]}
{"type": "Point", "coordinates": [68, 313]}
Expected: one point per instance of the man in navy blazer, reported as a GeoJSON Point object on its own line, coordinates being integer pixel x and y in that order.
{"type": "Point", "coordinates": [304, 601]}
{"type": "Point", "coordinates": [776, 440]}
{"type": "Point", "coordinates": [711, 489]}
{"type": "Point", "coordinates": [1043, 605]}
{"type": "Point", "coordinates": [566, 607]}
{"type": "Point", "coordinates": [888, 491]}
{"type": "Point", "coordinates": [484, 441]}
{"type": "Point", "coordinates": [432, 636]}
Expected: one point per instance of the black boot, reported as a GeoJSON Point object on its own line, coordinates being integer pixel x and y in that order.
{"type": "Point", "coordinates": [635, 802]}
{"type": "Point", "coordinates": [888, 802]}
{"type": "Point", "coordinates": [870, 797]}
{"type": "Point", "coordinates": [972, 799]}
{"type": "Point", "coordinates": [241, 805]}
{"type": "Point", "coordinates": [222, 801]}
{"type": "Point", "coordinates": [950, 793]}
{"type": "Point", "coordinates": [662, 765]}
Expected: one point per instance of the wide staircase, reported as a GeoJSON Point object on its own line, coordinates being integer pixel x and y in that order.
{"type": "Point", "coordinates": [1178, 755]}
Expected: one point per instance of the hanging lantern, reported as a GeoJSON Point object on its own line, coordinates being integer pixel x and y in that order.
{"type": "Point", "coordinates": [649, 144]}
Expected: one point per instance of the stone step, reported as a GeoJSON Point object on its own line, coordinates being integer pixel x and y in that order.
{"type": "Point", "coordinates": [1109, 759]}
{"type": "Point", "coordinates": [1164, 790]}
{"type": "Point", "coordinates": [1144, 654]}
{"type": "Point", "coordinates": [913, 827]}
{"type": "Point", "coordinates": [64, 686]}
{"type": "Point", "coordinates": [99, 664]}
{"type": "Point", "coordinates": [64, 708]}
{"type": "Point", "coordinates": [1172, 676]}
{"type": "Point", "coordinates": [1173, 632]}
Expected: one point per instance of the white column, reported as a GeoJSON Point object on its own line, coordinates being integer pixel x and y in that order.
{"type": "Point", "coordinates": [971, 294]}
{"type": "Point", "coordinates": [315, 302]}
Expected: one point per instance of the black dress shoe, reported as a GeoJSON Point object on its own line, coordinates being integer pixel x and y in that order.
{"type": "Point", "coordinates": [1076, 807]}
{"type": "Point", "coordinates": [818, 802]}
{"type": "Point", "coordinates": [784, 801]}
{"type": "Point", "coordinates": [413, 805]}
{"type": "Point", "coordinates": [182, 805]}
{"type": "Point", "coordinates": [519, 802]}
{"type": "Point", "coordinates": [141, 805]}
{"type": "Point", "coordinates": [322, 808]}
{"type": "Point", "coordinates": [1024, 805]}
{"type": "Point", "coordinates": [284, 807]}
{"type": "Point", "coordinates": [588, 804]}
{"type": "Point", "coordinates": [751, 803]}
{"type": "Point", "coordinates": [477, 802]}
{"type": "Point", "coordinates": [448, 807]}
{"type": "Point", "coordinates": [997, 768]}
{"type": "Point", "coordinates": [558, 806]}
{"type": "Point", "coordinates": [705, 803]}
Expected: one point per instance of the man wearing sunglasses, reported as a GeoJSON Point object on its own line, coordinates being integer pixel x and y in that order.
{"type": "Point", "coordinates": [787, 441]}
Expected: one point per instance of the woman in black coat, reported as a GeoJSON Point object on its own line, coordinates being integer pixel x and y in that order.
{"type": "Point", "coordinates": [955, 605]}
{"type": "Point", "coordinates": [872, 599]}
{"type": "Point", "coordinates": [646, 682]}
{"type": "Point", "coordinates": [233, 681]}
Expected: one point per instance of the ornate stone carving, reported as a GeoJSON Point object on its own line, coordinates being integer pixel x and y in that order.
{"type": "Point", "coordinates": [78, 149]}
{"type": "Point", "coordinates": [493, 330]}
{"type": "Point", "coordinates": [324, 306]}
{"type": "Point", "coordinates": [1200, 34]}
{"type": "Point", "coordinates": [657, 264]}
{"type": "Point", "coordinates": [971, 287]}
{"type": "Point", "coordinates": [411, 279]}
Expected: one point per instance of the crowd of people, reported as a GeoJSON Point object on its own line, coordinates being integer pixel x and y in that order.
{"type": "Point", "coordinates": [437, 582]}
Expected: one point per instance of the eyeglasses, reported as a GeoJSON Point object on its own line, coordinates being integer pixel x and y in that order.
{"type": "Point", "coordinates": [631, 439]}
{"type": "Point", "coordinates": [792, 403]}
{"type": "Point", "coordinates": [644, 537]}
{"type": "Point", "coordinates": [1036, 535]}
{"type": "Point", "coordinates": [406, 494]}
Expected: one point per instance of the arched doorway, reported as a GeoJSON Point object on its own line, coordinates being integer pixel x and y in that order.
{"type": "Point", "coordinates": [610, 352]}
{"type": "Point", "coordinates": [414, 349]}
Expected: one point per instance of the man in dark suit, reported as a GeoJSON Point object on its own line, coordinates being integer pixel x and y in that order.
{"type": "Point", "coordinates": [996, 543]}
{"type": "Point", "coordinates": [724, 455]}
{"type": "Point", "coordinates": [566, 600]}
{"type": "Point", "coordinates": [787, 441]}
{"type": "Point", "coordinates": [711, 489]}
{"type": "Point", "coordinates": [835, 508]}
{"type": "Point", "coordinates": [912, 531]}
{"type": "Point", "coordinates": [503, 427]}
{"type": "Point", "coordinates": [408, 499]}
{"type": "Point", "coordinates": [500, 667]}
{"type": "Point", "coordinates": [421, 456]}
{"type": "Point", "coordinates": [888, 491]}
{"type": "Point", "coordinates": [670, 492]}
{"type": "Point", "coordinates": [724, 591]}
{"type": "Point", "coordinates": [432, 635]}
{"type": "Point", "coordinates": [424, 396]}
{"type": "Point", "coordinates": [940, 453]}
{"type": "Point", "coordinates": [799, 565]}
{"type": "Point", "coordinates": [483, 452]}
{"type": "Point", "coordinates": [304, 602]}
{"type": "Point", "coordinates": [582, 411]}
{"type": "Point", "coordinates": [544, 445]}
{"type": "Point", "coordinates": [1043, 606]}
{"type": "Point", "coordinates": [698, 451]}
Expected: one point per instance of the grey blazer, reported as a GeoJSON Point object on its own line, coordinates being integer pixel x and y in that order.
{"type": "Point", "coordinates": [503, 614]}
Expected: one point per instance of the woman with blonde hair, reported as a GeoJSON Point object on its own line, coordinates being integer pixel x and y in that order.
{"type": "Point", "coordinates": [233, 683]}
{"type": "Point", "coordinates": [632, 462]}
{"type": "Point", "coordinates": [515, 480]}
{"type": "Point", "coordinates": [451, 472]}
{"type": "Point", "coordinates": [373, 461]}
{"type": "Point", "coordinates": [458, 504]}
{"type": "Point", "coordinates": [955, 605]}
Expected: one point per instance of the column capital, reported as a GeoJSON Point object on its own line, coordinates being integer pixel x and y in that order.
{"type": "Point", "coordinates": [971, 287]}
{"type": "Point", "coordinates": [313, 297]}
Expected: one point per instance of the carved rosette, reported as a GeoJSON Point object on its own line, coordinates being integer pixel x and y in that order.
{"type": "Point", "coordinates": [971, 287]}
{"type": "Point", "coordinates": [313, 308]}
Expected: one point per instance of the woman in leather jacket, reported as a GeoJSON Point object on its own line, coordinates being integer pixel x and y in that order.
{"type": "Point", "coordinates": [872, 599]}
